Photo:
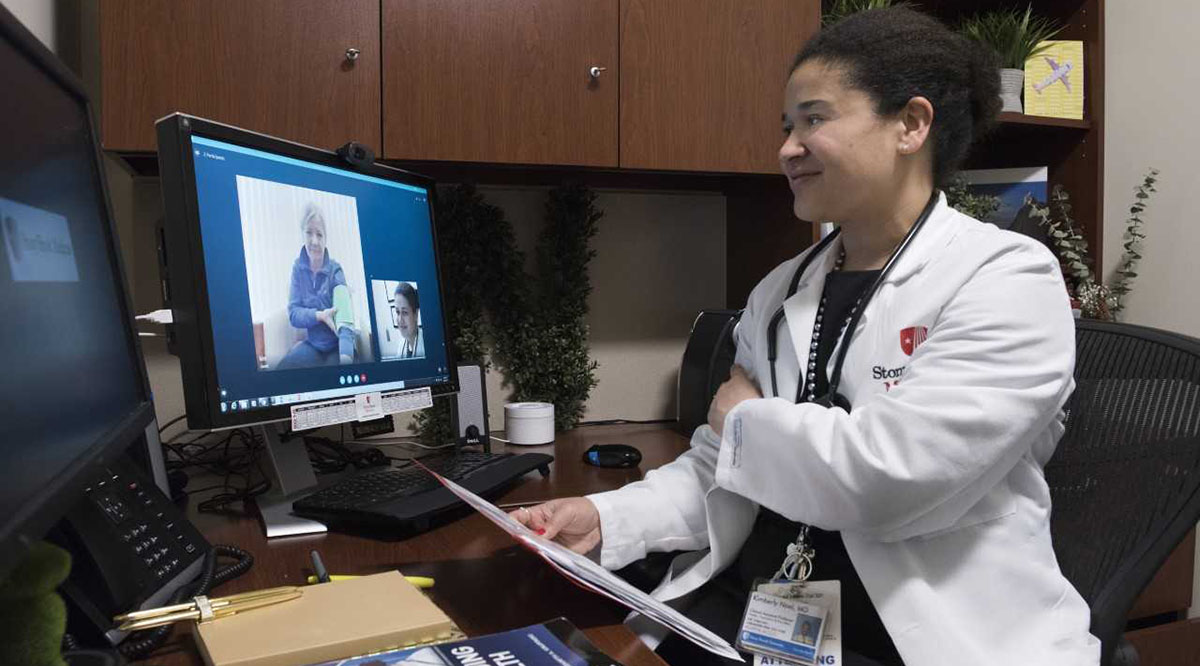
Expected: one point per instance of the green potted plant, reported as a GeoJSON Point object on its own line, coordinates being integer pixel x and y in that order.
{"type": "Point", "coordinates": [840, 9]}
{"type": "Point", "coordinates": [533, 328]}
{"type": "Point", "coordinates": [960, 197]}
{"type": "Point", "coordinates": [1016, 37]}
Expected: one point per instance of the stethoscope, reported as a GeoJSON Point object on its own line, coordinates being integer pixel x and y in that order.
{"type": "Point", "coordinates": [833, 398]}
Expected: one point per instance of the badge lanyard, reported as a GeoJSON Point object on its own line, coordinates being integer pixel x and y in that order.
{"type": "Point", "coordinates": [798, 564]}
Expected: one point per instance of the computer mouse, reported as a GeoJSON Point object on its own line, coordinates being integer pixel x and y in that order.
{"type": "Point", "coordinates": [612, 455]}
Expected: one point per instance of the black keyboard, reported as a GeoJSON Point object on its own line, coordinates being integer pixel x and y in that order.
{"type": "Point", "coordinates": [411, 499]}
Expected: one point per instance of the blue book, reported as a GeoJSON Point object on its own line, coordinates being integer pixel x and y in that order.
{"type": "Point", "coordinates": [553, 643]}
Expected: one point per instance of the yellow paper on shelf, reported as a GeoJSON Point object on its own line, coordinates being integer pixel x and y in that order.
{"type": "Point", "coordinates": [1054, 81]}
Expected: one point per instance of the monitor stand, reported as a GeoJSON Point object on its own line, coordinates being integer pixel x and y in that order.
{"type": "Point", "coordinates": [292, 477]}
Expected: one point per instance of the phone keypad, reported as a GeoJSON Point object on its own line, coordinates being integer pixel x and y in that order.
{"type": "Point", "coordinates": [157, 542]}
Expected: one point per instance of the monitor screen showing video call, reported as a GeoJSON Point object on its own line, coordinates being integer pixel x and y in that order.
{"type": "Point", "coordinates": [322, 282]}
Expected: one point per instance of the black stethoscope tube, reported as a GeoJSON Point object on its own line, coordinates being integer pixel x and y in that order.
{"type": "Point", "coordinates": [773, 326]}
{"type": "Point", "coordinates": [833, 398]}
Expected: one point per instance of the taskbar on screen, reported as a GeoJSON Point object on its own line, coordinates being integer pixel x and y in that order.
{"type": "Point", "coordinates": [352, 385]}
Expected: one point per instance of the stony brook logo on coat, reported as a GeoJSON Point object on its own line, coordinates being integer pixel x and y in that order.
{"type": "Point", "coordinates": [912, 337]}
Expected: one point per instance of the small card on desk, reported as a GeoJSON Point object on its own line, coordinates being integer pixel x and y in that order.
{"type": "Point", "coordinates": [331, 620]}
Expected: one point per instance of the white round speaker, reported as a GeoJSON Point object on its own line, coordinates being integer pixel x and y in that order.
{"type": "Point", "coordinates": [529, 423]}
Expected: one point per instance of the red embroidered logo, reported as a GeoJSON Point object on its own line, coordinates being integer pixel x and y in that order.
{"type": "Point", "coordinates": [912, 337]}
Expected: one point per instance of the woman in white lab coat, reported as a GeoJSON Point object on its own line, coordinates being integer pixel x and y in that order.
{"type": "Point", "coordinates": [897, 389]}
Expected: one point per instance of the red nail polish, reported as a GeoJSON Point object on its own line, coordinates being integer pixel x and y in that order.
{"type": "Point", "coordinates": [540, 532]}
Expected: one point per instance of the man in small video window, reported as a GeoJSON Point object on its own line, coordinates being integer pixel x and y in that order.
{"type": "Point", "coordinates": [408, 307]}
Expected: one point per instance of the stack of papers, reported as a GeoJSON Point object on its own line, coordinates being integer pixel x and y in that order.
{"type": "Point", "coordinates": [595, 577]}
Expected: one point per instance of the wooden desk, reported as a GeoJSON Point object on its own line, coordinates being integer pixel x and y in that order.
{"type": "Point", "coordinates": [485, 582]}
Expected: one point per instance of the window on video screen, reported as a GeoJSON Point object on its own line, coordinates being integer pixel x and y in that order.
{"type": "Point", "coordinates": [321, 282]}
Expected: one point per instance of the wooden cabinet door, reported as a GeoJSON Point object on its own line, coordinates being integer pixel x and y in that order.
{"type": "Point", "coordinates": [702, 81]}
{"type": "Point", "coordinates": [500, 81]}
{"type": "Point", "coordinates": [274, 66]}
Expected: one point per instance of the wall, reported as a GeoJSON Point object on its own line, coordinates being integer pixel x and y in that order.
{"type": "Point", "coordinates": [37, 15]}
{"type": "Point", "coordinates": [1144, 62]}
{"type": "Point", "coordinates": [1151, 98]}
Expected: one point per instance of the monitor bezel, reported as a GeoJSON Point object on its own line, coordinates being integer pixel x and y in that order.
{"type": "Point", "coordinates": [47, 505]}
{"type": "Point", "coordinates": [187, 281]}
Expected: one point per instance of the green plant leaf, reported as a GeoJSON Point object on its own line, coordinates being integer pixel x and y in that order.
{"type": "Point", "coordinates": [1016, 36]}
{"type": "Point", "coordinates": [535, 328]}
{"type": "Point", "coordinates": [840, 9]}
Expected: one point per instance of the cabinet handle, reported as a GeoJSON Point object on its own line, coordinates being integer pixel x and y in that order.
{"type": "Point", "coordinates": [352, 54]}
{"type": "Point", "coordinates": [594, 72]}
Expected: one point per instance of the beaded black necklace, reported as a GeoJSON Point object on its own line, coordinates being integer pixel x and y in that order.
{"type": "Point", "coordinates": [810, 387]}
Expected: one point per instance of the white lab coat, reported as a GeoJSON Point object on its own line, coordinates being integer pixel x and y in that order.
{"type": "Point", "coordinates": [415, 349]}
{"type": "Point", "coordinates": [935, 477]}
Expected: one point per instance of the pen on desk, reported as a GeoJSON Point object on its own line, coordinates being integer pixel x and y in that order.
{"type": "Point", "coordinates": [204, 609]}
{"type": "Point", "coordinates": [318, 568]}
{"type": "Point", "coordinates": [422, 582]}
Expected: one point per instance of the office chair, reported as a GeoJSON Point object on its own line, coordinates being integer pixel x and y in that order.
{"type": "Point", "coordinates": [705, 366]}
{"type": "Point", "coordinates": [1125, 478]}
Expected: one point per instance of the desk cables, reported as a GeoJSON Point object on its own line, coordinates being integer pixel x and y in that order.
{"type": "Point", "coordinates": [230, 462]}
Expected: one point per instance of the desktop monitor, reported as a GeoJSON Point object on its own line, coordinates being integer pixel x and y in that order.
{"type": "Point", "coordinates": [294, 276]}
{"type": "Point", "coordinates": [74, 393]}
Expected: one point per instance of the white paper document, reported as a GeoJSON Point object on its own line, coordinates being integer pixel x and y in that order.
{"type": "Point", "coordinates": [595, 577]}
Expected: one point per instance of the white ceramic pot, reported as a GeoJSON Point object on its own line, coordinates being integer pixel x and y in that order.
{"type": "Point", "coordinates": [1012, 81]}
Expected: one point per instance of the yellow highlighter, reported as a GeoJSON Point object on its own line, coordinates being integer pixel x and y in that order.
{"type": "Point", "coordinates": [419, 581]}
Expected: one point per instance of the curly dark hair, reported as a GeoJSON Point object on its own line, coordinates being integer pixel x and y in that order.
{"type": "Point", "coordinates": [897, 53]}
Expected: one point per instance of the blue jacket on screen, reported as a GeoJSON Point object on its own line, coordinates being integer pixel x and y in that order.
{"type": "Point", "coordinates": [311, 292]}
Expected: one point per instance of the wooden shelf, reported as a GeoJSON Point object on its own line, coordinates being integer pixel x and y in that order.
{"type": "Point", "coordinates": [1010, 118]}
{"type": "Point", "coordinates": [1073, 150]}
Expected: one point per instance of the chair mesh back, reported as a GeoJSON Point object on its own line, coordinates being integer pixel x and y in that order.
{"type": "Point", "coordinates": [1128, 465]}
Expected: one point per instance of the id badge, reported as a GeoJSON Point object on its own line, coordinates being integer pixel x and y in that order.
{"type": "Point", "coordinates": [824, 593]}
{"type": "Point", "coordinates": [779, 627]}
